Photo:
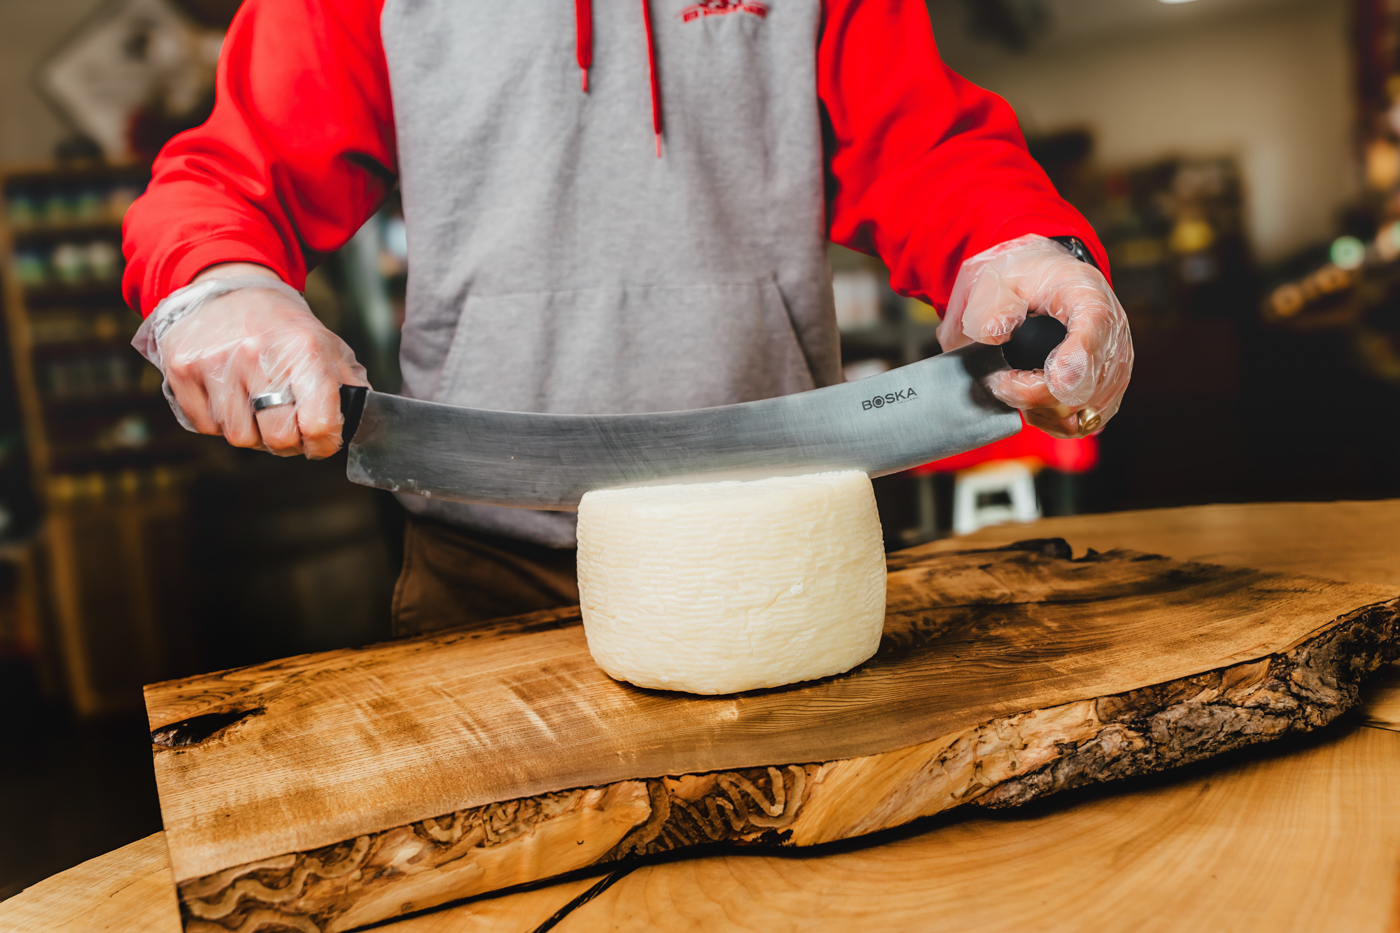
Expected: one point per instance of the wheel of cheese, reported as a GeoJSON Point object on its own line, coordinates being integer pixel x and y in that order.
{"type": "Point", "coordinates": [724, 587]}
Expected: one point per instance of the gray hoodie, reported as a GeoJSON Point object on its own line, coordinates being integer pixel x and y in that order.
{"type": "Point", "coordinates": [558, 264]}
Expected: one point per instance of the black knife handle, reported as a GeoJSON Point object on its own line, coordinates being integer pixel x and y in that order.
{"type": "Point", "coordinates": [352, 406]}
{"type": "Point", "coordinates": [1033, 342]}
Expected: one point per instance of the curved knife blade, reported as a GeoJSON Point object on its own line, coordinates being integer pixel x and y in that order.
{"type": "Point", "coordinates": [890, 422]}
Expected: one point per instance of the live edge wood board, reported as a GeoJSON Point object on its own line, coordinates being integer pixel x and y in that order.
{"type": "Point", "coordinates": [331, 791]}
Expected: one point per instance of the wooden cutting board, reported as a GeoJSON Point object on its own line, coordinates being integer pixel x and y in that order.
{"type": "Point", "coordinates": [331, 791]}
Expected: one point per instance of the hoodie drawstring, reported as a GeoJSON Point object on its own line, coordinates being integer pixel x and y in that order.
{"type": "Point", "coordinates": [651, 72]}
{"type": "Point", "coordinates": [583, 15]}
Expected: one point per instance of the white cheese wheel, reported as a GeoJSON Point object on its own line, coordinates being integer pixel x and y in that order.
{"type": "Point", "coordinates": [722, 587]}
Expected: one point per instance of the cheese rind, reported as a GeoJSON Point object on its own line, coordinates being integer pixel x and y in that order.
{"type": "Point", "coordinates": [723, 587]}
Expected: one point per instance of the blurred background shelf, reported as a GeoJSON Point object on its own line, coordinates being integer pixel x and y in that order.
{"type": "Point", "coordinates": [91, 416]}
{"type": "Point", "coordinates": [116, 511]}
{"type": "Point", "coordinates": [88, 295]}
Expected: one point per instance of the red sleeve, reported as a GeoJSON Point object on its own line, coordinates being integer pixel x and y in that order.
{"type": "Point", "coordinates": [927, 169]}
{"type": "Point", "coordinates": [297, 154]}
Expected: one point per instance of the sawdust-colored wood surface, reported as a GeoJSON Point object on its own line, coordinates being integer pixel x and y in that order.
{"type": "Point", "coordinates": [1358, 541]}
{"type": "Point", "coordinates": [1290, 840]}
{"type": "Point", "coordinates": [334, 791]}
{"type": "Point", "coordinates": [1293, 839]}
{"type": "Point", "coordinates": [128, 890]}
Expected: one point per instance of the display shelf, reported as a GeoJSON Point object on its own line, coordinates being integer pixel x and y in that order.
{"type": "Point", "coordinates": [56, 233]}
{"type": "Point", "coordinates": [82, 346]}
{"type": "Point", "coordinates": [116, 462]}
{"type": "Point", "coordinates": [20, 622]}
{"type": "Point", "coordinates": [102, 448]}
{"type": "Point", "coordinates": [62, 405]}
{"type": "Point", "coordinates": [54, 296]}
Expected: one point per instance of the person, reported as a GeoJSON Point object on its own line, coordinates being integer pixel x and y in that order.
{"type": "Point", "coordinates": [611, 207]}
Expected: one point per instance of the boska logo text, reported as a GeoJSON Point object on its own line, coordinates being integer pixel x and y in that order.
{"type": "Point", "coordinates": [889, 398]}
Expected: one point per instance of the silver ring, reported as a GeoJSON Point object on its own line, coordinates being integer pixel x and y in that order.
{"type": "Point", "coordinates": [272, 399]}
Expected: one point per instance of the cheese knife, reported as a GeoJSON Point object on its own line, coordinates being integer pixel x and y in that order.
{"type": "Point", "coordinates": [882, 424]}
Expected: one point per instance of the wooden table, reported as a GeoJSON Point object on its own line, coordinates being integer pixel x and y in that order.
{"type": "Point", "coordinates": [1302, 835]}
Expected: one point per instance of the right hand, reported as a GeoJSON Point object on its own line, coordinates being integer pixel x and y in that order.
{"type": "Point", "coordinates": [251, 341]}
{"type": "Point", "coordinates": [991, 297]}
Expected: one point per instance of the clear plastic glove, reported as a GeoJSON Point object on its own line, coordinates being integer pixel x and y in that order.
{"type": "Point", "coordinates": [235, 333]}
{"type": "Point", "coordinates": [996, 290]}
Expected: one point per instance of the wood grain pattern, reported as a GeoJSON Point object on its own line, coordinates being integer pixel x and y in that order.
{"type": "Point", "coordinates": [1301, 839]}
{"type": "Point", "coordinates": [1382, 701]}
{"type": "Point", "coordinates": [1004, 675]}
{"type": "Point", "coordinates": [484, 717]}
{"type": "Point", "coordinates": [1277, 842]}
{"type": "Point", "coordinates": [1355, 541]}
{"type": "Point", "coordinates": [128, 890]}
{"type": "Point", "coordinates": [1307, 840]}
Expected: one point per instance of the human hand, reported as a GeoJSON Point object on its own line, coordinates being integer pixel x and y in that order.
{"type": "Point", "coordinates": [996, 290]}
{"type": "Point", "coordinates": [245, 342]}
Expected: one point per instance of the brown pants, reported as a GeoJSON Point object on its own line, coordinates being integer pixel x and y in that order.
{"type": "Point", "coordinates": [452, 577]}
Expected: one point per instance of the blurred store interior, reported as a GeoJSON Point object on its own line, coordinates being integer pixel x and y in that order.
{"type": "Point", "coordinates": [1239, 159]}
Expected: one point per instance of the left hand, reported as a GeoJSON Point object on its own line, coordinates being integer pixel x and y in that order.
{"type": "Point", "coordinates": [995, 291]}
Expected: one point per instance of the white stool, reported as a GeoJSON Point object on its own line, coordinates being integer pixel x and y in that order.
{"type": "Point", "coordinates": [996, 492]}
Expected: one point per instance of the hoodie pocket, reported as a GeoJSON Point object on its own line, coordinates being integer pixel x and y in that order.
{"type": "Point", "coordinates": [624, 349]}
